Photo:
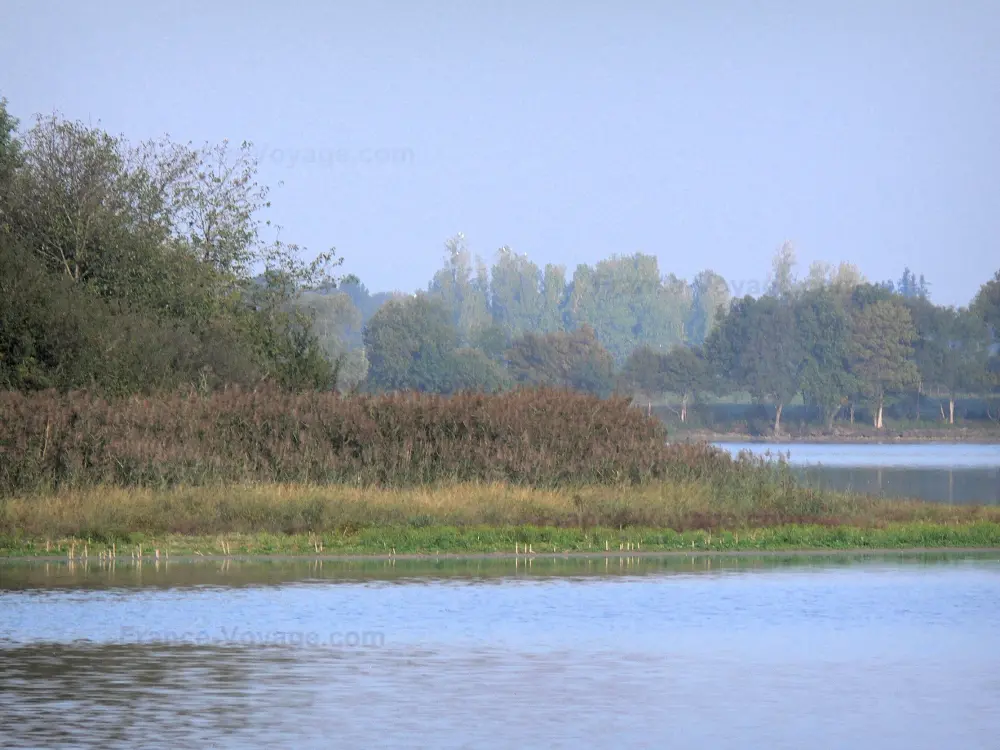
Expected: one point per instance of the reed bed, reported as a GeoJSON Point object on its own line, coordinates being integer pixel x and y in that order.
{"type": "Point", "coordinates": [541, 438]}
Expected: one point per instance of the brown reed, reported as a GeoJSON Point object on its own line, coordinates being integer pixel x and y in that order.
{"type": "Point", "coordinates": [51, 441]}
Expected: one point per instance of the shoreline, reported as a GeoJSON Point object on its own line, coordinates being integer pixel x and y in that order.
{"type": "Point", "coordinates": [898, 438]}
{"type": "Point", "coordinates": [520, 542]}
{"type": "Point", "coordinates": [510, 556]}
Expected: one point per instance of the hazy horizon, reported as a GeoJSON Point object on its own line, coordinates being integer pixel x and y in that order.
{"type": "Point", "coordinates": [704, 135]}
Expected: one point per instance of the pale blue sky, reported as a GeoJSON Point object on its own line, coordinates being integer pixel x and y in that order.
{"type": "Point", "coordinates": [703, 132]}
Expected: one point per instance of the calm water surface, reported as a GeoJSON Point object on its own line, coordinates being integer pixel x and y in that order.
{"type": "Point", "coordinates": [775, 652]}
{"type": "Point", "coordinates": [940, 472]}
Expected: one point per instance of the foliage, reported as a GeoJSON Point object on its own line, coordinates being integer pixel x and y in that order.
{"type": "Point", "coordinates": [128, 268]}
{"type": "Point", "coordinates": [462, 288]}
{"type": "Point", "coordinates": [987, 303]}
{"type": "Point", "coordinates": [824, 329]}
{"type": "Point", "coordinates": [757, 347]}
{"type": "Point", "coordinates": [565, 360]}
{"type": "Point", "coordinates": [881, 350]}
{"type": "Point", "coordinates": [408, 342]}
{"type": "Point", "coordinates": [710, 297]}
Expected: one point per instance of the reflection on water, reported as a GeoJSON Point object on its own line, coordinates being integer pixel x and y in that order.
{"type": "Point", "coordinates": [780, 651]}
{"type": "Point", "coordinates": [938, 472]}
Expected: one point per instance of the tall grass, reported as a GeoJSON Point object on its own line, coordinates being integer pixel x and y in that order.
{"type": "Point", "coordinates": [111, 513]}
{"type": "Point", "coordinates": [543, 438]}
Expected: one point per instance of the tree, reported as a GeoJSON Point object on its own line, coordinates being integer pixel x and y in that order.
{"type": "Point", "coordinates": [783, 282]}
{"type": "Point", "coordinates": [627, 302]}
{"type": "Point", "coordinates": [408, 343]}
{"type": "Point", "coordinates": [882, 335]}
{"type": "Point", "coordinates": [564, 359]}
{"type": "Point", "coordinates": [463, 288]}
{"type": "Point", "coordinates": [951, 349]}
{"type": "Point", "coordinates": [336, 323]}
{"type": "Point", "coordinates": [516, 296]}
{"type": "Point", "coordinates": [682, 371]}
{"type": "Point", "coordinates": [469, 369]}
{"type": "Point", "coordinates": [710, 296]}
{"type": "Point", "coordinates": [10, 154]}
{"type": "Point", "coordinates": [987, 303]}
{"type": "Point", "coordinates": [686, 373]}
{"type": "Point", "coordinates": [909, 286]}
{"type": "Point", "coordinates": [825, 338]}
{"type": "Point", "coordinates": [757, 347]}
{"type": "Point", "coordinates": [157, 240]}
{"type": "Point", "coordinates": [554, 297]}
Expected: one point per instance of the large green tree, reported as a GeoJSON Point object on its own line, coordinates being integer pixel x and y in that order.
{"type": "Point", "coordinates": [824, 331]}
{"type": "Point", "coordinates": [160, 240]}
{"type": "Point", "coordinates": [882, 335]}
{"type": "Point", "coordinates": [408, 343]}
{"type": "Point", "coordinates": [757, 348]}
{"type": "Point", "coordinates": [987, 303]}
{"type": "Point", "coordinates": [682, 371]}
{"type": "Point", "coordinates": [951, 349]}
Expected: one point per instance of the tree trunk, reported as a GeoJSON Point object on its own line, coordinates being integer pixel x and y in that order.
{"type": "Point", "coordinates": [777, 419]}
{"type": "Point", "coordinates": [830, 416]}
{"type": "Point", "coordinates": [684, 409]}
{"type": "Point", "coordinates": [951, 410]}
{"type": "Point", "coordinates": [878, 415]}
{"type": "Point", "coordinates": [852, 412]}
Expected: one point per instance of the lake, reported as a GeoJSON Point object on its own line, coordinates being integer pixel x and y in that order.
{"type": "Point", "coordinates": [769, 651]}
{"type": "Point", "coordinates": [940, 472]}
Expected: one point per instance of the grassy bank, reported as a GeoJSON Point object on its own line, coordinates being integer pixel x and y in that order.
{"type": "Point", "coordinates": [472, 518]}
{"type": "Point", "coordinates": [449, 540]}
{"type": "Point", "coordinates": [903, 435]}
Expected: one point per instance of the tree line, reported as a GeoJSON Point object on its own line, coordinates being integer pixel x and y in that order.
{"type": "Point", "coordinates": [832, 339]}
{"type": "Point", "coordinates": [138, 268]}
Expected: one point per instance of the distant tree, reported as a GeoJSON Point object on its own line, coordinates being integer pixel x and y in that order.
{"type": "Point", "coordinates": [553, 299]}
{"type": "Point", "coordinates": [687, 374]}
{"type": "Point", "coordinates": [882, 335]}
{"type": "Point", "coordinates": [643, 372]}
{"type": "Point", "coordinates": [987, 303]}
{"type": "Point", "coordinates": [627, 302]}
{"type": "Point", "coordinates": [682, 371]}
{"type": "Point", "coordinates": [710, 297]}
{"type": "Point", "coordinates": [783, 283]}
{"type": "Point", "coordinates": [471, 370]}
{"type": "Point", "coordinates": [493, 341]}
{"type": "Point", "coordinates": [336, 323]}
{"type": "Point", "coordinates": [463, 288]}
{"type": "Point", "coordinates": [951, 349]}
{"type": "Point", "coordinates": [825, 338]}
{"type": "Point", "coordinates": [564, 359]}
{"type": "Point", "coordinates": [757, 347]}
{"type": "Point", "coordinates": [366, 302]}
{"type": "Point", "coordinates": [408, 343]}
{"type": "Point", "coordinates": [840, 280]}
{"type": "Point", "coordinates": [517, 299]}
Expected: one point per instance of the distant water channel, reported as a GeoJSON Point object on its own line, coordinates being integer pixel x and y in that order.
{"type": "Point", "coordinates": [895, 651]}
{"type": "Point", "coordinates": [939, 472]}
